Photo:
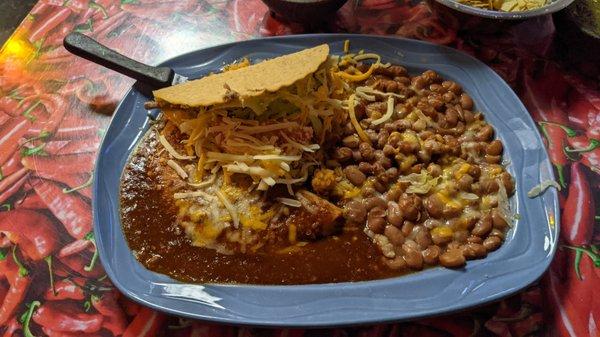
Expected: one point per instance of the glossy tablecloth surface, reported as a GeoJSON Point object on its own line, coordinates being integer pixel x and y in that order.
{"type": "Point", "coordinates": [55, 107]}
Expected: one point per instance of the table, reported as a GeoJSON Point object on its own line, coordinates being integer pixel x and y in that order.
{"type": "Point", "coordinates": [55, 107]}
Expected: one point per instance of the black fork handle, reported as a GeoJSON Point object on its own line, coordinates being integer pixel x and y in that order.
{"type": "Point", "coordinates": [90, 49]}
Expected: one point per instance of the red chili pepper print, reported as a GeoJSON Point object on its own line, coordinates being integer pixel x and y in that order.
{"type": "Point", "coordinates": [146, 323]}
{"type": "Point", "coordinates": [577, 220]}
{"type": "Point", "coordinates": [12, 327]}
{"type": "Point", "coordinates": [583, 114]}
{"type": "Point", "coordinates": [48, 24]}
{"type": "Point", "coordinates": [65, 290]}
{"type": "Point", "coordinates": [66, 317]}
{"type": "Point", "coordinates": [552, 120]}
{"type": "Point", "coordinates": [12, 165]}
{"type": "Point", "coordinates": [11, 133]}
{"type": "Point", "coordinates": [114, 317]}
{"type": "Point", "coordinates": [81, 265]}
{"type": "Point", "coordinates": [60, 165]}
{"type": "Point", "coordinates": [19, 281]}
{"type": "Point", "coordinates": [70, 209]}
{"type": "Point", "coordinates": [588, 150]}
{"type": "Point", "coordinates": [52, 333]}
{"type": "Point", "coordinates": [32, 231]}
{"type": "Point", "coordinates": [75, 247]}
{"type": "Point", "coordinates": [30, 201]}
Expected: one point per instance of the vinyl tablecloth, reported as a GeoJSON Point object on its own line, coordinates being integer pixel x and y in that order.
{"type": "Point", "coordinates": [54, 109]}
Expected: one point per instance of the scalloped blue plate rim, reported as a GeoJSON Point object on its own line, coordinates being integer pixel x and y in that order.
{"type": "Point", "coordinates": [347, 303]}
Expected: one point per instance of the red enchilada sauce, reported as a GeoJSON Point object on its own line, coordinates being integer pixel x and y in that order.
{"type": "Point", "coordinates": [157, 242]}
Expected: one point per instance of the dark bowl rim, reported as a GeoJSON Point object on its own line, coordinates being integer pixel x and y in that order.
{"type": "Point", "coordinates": [554, 6]}
{"type": "Point", "coordinates": [308, 2]}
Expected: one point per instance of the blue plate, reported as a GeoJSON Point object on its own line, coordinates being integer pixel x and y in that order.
{"type": "Point", "coordinates": [522, 259]}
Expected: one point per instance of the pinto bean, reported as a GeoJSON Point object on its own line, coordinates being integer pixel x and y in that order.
{"type": "Point", "coordinates": [394, 235]}
{"type": "Point", "coordinates": [452, 258]}
{"type": "Point", "coordinates": [372, 135]}
{"type": "Point", "coordinates": [431, 255]}
{"type": "Point", "coordinates": [410, 205]}
{"type": "Point", "coordinates": [420, 82]}
{"type": "Point", "coordinates": [465, 182]}
{"type": "Point", "coordinates": [394, 214]}
{"type": "Point", "coordinates": [385, 162]}
{"type": "Point", "coordinates": [488, 186]}
{"type": "Point", "coordinates": [474, 251]}
{"type": "Point", "coordinates": [382, 138]}
{"type": "Point", "coordinates": [394, 193]}
{"type": "Point", "coordinates": [355, 211]}
{"type": "Point", "coordinates": [498, 233]}
{"type": "Point", "coordinates": [373, 202]}
{"type": "Point", "coordinates": [432, 223]}
{"type": "Point", "coordinates": [498, 220]}
{"type": "Point", "coordinates": [366, 151]}
{"type": "Point", "coordinates": [355, 176]}
{"type": "Point", "coordinates": [483, 226]}
{"type": "Point", "coordinates": [365, 167]}
{"type": "Point", "coordinates": [388, 176]}
{"type": "Point", "coordinates": [435, 87]}
{"type": "Point", "coordinates": [492, 243]}
{"type": "Point", "coordinates": [396, 263]}
{"type": "Point", "coordinates": [368, 191]}
{"type": "Point", "coordinates": [455, 88]}
{"type": "Point", "coordinates": [468, 116]}
{"type": "Point", "coordinates": [379, 187]}
{"type": "Point", "coordinates": [431, 76]}
{"type": "Point", "coordinates": [394, 138]}
{"type": "Point", "coordinates": [410, 243]}
{"type": "Point", "coordinates": [492, 159]}
{"type": "Point", "coordinates": [474, 239]}
{"type": "Point", "coordinates": [436, 102]}
{"type": "Point", "coordinates": [421, 236]}
{"type": "Point", "coordinates": [413, 257]}
{"type": "Point", "coordinates": [376, 220]}
{"type": "Point", "coordinates": [508, 182]}
{"type": "Point", "coordinates": [485, 133]}
{"type": "Point", "coordinates": [474, 171]}
{"type": "Point", "coordinates": [351, 141]}
{"type": "Point", "coordinates": [342, 154]}
{"type": "Point", "coordinates": [448, 97]}
{"type": "Point", "coordinates": [466, 102]}
{"type": "Point", "coordinates": [452, 118]}
{"type": "Point", "coordinates": [494, 148]}
{"type": "Point", "coordinates": [434, 169]}
{"type": "Point", "coordinates": [440, 239]}
{"type": "Point", "coordinates": [389, 150]}
{"type": "Point", "coordinates": [434, 206]}
{"type": "Point", "coordinates": [407, 227]}
{"type": "Point", "coordinates": [460, 236]}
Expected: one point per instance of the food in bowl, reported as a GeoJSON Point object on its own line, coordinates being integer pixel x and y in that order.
{"type": "Point", "coordinates": [506, 5]}
{"type": "Point", "coordinates": [314, 168]}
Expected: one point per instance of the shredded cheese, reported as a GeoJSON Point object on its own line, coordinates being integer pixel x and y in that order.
{"type": "Point", "coordinates": [180, 171]}
{"type": "Point", "coordinates": [290, 202]}
{"type": "Point", "coordinates": [388, 113]}
{"type": "Point", "coordinates": [537, 190]}
{"type": "Point", "coordinates": [230, 208]}
{"type": "Point", "coordinates": [165, 143]}
{"type": "Point", "coordinates": [194, 194]}
{"type": "Point", "coordinates": [361, 133]}
{"type": "Point", "coordinates": [206, 183]}
{"type": "Point", "coordinates": [276, 157]}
